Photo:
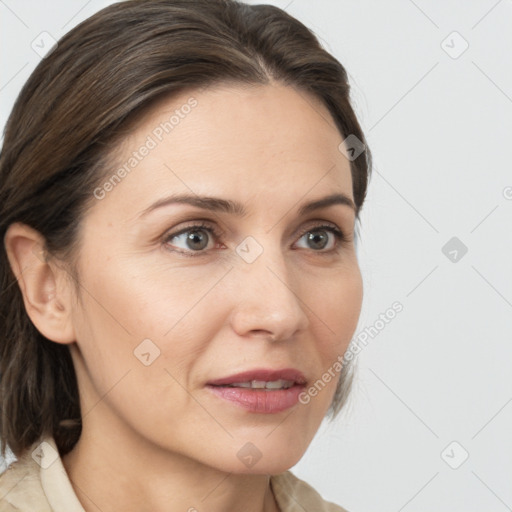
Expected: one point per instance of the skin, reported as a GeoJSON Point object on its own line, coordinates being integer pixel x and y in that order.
{"type": "Point", "coordinates": [154, 438]}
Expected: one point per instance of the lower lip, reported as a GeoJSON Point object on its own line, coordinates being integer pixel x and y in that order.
{"type": "Point", "coordinates": [260, 400]}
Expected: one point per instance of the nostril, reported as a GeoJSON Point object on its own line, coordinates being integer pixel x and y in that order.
{"type": "Point", "coordinates": [265, 334]}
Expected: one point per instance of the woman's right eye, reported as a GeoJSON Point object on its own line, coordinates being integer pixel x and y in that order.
{"type": "Point", "coordinates": [193, 239]}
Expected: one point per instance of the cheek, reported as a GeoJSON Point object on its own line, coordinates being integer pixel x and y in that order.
{"type": "Point", "coordinates": [134, 314]}
{"type": "Point", "coordinates": [335, 312]}
{"type": "Point", "coordinates": [336, 307]}
{"type": "Point", "coordinates": [137, 371]}
{"type": "Point", "coordinates": [144, 294]}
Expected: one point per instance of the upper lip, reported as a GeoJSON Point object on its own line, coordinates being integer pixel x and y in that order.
{"type": "Point", "coordinates": [262, 374]}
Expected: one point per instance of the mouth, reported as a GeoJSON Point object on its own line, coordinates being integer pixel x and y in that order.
{"type": "Point", "coordinates": [261, 391]}
{"type": "Point", "coordinates": [262, 384]}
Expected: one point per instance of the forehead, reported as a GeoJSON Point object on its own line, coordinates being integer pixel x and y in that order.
{"type": "Point", "coordinates": [235, 140]}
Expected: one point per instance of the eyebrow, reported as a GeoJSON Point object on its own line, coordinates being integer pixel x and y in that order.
{"type": "Point", "coordinates": [217, 204]}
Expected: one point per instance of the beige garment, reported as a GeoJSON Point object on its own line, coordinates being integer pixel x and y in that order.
{"type": "Point", "coordinates": [38, 482]}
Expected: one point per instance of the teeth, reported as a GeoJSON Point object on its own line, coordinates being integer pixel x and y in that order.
{"type": "Point", "coordinates": [278, 384]}
{"type": "Point", "coordinates": [261, 384]}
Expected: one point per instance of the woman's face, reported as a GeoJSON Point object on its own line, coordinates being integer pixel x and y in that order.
{"type": "Point", "coordinates": [179, 296]}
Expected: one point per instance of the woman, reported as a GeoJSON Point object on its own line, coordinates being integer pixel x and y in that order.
{"type": "Point", "coordinates": [180, 183]}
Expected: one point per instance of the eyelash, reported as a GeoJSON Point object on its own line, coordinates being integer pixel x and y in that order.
{"type": "Point", "coordinates": [339, 235]}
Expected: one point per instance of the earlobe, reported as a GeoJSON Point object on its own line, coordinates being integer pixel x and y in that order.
{"type": "Point", "coordinates": [43, 284]}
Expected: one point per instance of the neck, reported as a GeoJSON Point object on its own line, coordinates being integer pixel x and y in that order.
{"type": "Point", "coordinates": [118, 472]}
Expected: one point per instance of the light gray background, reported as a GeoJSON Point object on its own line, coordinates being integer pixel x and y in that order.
{"type": "Point", "coordinates": [439, 128]}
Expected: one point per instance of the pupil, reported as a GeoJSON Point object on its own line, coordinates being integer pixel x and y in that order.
{"type": "Point", "coordinates": [315, 237]}
{"type": "Point", "coordinates": [194, 239]}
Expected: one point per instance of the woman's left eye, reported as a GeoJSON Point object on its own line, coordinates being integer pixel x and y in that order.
{"type": "Point", "coordinates": [323, 238]}
{"type": "Point", "coordinates": [319, 236]}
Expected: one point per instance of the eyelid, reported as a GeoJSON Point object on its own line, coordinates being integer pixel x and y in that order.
{"type": "Point", "coordinates": [198, 224]}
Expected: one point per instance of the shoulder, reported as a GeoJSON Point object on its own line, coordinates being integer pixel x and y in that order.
{"type": "Point", "coordinates": [293, 494]}
{"type": "Point", "coordinates": [20, 487]}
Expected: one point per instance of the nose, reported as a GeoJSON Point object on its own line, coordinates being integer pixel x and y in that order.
{"type": "Point", "coordinates": [267, 301]}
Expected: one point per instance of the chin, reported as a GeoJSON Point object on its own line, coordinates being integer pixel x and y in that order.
{"type": "Point", "coordinates": [265, 466]}
{"type": "Point", "coordinates": [274, 466]}
{"type": "Point", "coordinates": [265, 456]}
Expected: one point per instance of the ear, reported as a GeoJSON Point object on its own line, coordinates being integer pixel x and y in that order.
{"type": "Point", "coordinates": [45, 286]}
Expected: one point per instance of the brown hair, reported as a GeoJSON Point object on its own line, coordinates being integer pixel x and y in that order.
{"type": "Point", "coordinates": [76, 104]}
